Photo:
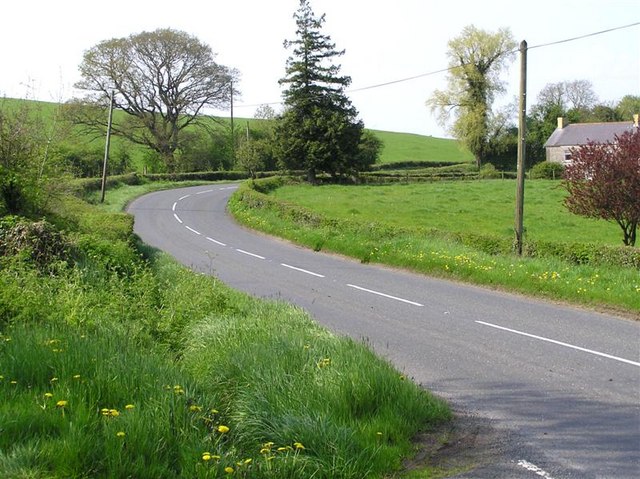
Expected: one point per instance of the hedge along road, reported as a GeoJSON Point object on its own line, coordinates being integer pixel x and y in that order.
{"type": "Point", "coordinates": [561, 384]}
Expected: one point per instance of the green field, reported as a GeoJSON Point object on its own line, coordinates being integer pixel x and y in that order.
{"type": "Point", "coordinates": [483, 207]}
{"type": "Point", "coordinates": [457, 230]}
{"type": "Point", "coordinates": [400, 147]}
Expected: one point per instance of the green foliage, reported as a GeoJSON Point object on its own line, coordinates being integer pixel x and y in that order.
{"type": "Point", "coordinates": [476, 58]}
{"type": "Point", "coordinates": [488, 172]}
{"type": "Point", "coordinates": [161, 80]}
{"type": "Point", "coordinates": [547, 170]}
{"type": "Point", "coordinates": [30, 172]}
{"type": "Point", "coordinates": [319, 130]}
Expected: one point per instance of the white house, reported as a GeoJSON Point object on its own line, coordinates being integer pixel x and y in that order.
{"type": "Point", "coordinates": [567, 136]}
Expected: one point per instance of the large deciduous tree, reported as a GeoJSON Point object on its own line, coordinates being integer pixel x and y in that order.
{"type": "Point", "coordinates": [476, 59]}
{"type": "Point", "coordinates": [603, 181]}
{"type": "Point", "coordinates": [319, 130]}
{"type": "Point", "coordinates": [162, 80]}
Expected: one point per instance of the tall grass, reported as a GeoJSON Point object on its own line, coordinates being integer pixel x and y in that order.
{"type": "Point", "coordinates": [111, 366]}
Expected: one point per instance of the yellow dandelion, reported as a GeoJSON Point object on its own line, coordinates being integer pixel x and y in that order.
{"type": "Point", "coordinates": [248, 461]}
{"type": "Point", "coordinates": [76, 376]}
{"type": "Point", "coordinates": [114, 413]}
{"type": "Point", "coordinates": [228, 470]}
{"type": "Point", "coordinates": [48, 395]}
{"type": "Point", "coordinates": [120, 434]}
{"type": "Point", "coordinates": [195, 408]}
{"type": "Point", "coordinates": [13, 382]}
{"type": "Point", "coordinates": [129, 407]}
{"type": "Point", "coordinates": [104, 411]}
{"type": "Point", "coordinates": [298, 445]}
{"type": "Point", "coordinates": [223, 429]}
{"type": "Point", "coordinates": [282, 449]}
{"type": "Point", "coordinates": [61, 403]}
{"type": "Point", "coordinates": [206, 456]}
{"type": "Point", "coordinates": [53, 380]}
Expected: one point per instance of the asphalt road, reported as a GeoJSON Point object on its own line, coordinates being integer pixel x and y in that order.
{"type": "Point", "coordinates": [561, 384]}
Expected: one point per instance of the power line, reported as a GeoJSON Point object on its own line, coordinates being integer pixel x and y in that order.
{"type": "Point", "coordinates": [443, 70]}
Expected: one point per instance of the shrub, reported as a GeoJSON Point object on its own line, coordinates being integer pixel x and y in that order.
{"type": "Point", "coordinates": [488, 171]}
{"type": "Point", "coordinates": [547, 170]}
{"type": "Point", "coordinates": [37, 242]}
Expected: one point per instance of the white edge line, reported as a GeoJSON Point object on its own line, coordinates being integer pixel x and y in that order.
{"type": "Point", "coordinates": [183, 197]}
{"type": "Point", "coordinates": [203, 192]}
{"type": "Point", "coordinates": [216, 241]}
{"type": "Point", "coordinates": [560, 343]}
{"type": "Point", "coordinates": [173, 208]}
{"type": "Point", "coordinates": [302, 270]}
{"type": "Point", "coordinates": [192, 230]}
{"type": "Point", "coordinates": [250, 254]}
{"type": "Point", "coordinates": [385, 295]}
{"type": "Point", "coordinates": [177, 218]}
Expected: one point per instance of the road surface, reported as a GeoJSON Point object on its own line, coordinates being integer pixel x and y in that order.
{"type": "Point", "coordinates": [561, 384]}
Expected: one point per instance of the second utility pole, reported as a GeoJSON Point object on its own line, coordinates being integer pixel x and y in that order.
{"type": "Point", "coordinates": [522, 132]}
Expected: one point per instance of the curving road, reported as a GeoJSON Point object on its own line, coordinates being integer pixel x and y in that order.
{"type": "Point", "coordinates": [561, 384]}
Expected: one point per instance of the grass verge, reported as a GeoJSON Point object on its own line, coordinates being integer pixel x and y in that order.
{"type": "Point", "coordinates": [110, 366]}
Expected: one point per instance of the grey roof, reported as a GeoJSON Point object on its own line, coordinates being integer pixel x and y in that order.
{"type": "Point", "coordinates": [581, 133]}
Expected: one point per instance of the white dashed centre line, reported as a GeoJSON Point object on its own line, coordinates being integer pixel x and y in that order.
{"type": "Point", "coordinates": [183, 197]}
{"type": "Point", "coordinates": [192, 230]}
{"type": "Point", "coordinates": [533, 468]}
{"type": "Point", "coordinates": [216, 241]}
{"type": "Point", "coordinates": [173, 208]}
{"type": "Point", "coordinates": [385, 295]}
{"type": "Point", "coordinates": [177, 218]}
{"type": "Point", "coordinates": [560, 343]}
{"type": "Point", "coordinates": [203, 192]}
{"type": "Point", "coordinates": [250, 254]}
{"type": "Point", "coordinates": [302, 270]}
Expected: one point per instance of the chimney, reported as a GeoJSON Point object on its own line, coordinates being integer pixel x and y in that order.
{"type": "Point", "coordinates": [560, 123]}
{"type": "Point", "coordinates": [635, 120]}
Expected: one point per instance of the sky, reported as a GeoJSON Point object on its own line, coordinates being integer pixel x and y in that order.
{"type": "Point", "coordinates": [42, 43]}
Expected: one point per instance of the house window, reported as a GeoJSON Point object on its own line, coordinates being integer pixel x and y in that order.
{"type": "Point", "coordinates": [567, 157]}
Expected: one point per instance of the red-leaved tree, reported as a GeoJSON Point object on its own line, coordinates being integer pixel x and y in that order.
{"type": "Point", "coordinates": [603, 181]}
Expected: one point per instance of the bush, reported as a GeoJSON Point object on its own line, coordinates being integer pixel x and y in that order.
{"type": "Point", "coordinates": [38, 243]}
{"type": "Point", "coordinates": [488, 171]}
{"type": "Point", "coordinates": [547, 170]}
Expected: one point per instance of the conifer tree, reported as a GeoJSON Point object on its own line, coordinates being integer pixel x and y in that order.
{"type": "Point", "coordinates": [319, 130]}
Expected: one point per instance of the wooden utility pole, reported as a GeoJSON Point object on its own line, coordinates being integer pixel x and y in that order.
{"type": "Point", "coordinates": [103, 186]}
{"type": "Point", "coordinates": [522, 132]}
{"type": "Point", "coordinates": [233, 139]}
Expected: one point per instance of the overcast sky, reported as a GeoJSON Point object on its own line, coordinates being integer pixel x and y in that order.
{"type": "Point", "coordinates": [42, 43]}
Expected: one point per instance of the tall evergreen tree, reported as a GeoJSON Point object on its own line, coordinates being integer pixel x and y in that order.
{"type": "Point", "coordinates": [319, 130]}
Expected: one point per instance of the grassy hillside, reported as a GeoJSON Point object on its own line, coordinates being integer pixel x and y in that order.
{"type": "Point", "coordinates": [398, 147]}
{"type": "Point", "coordinates": [411, 147]}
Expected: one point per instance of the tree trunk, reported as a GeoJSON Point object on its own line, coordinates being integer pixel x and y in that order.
{"type": "Point", "coordinates": [311, 176]}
